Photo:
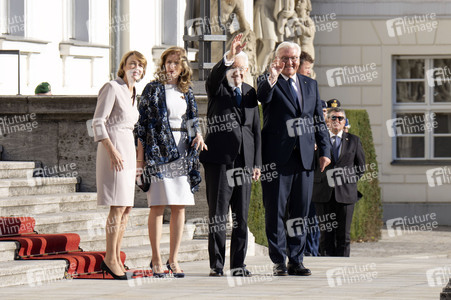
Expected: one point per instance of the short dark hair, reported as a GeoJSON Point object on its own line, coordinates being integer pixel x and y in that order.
{"type": "Point", "coordinates": [335, 109]}
{"type": "Point", "coordinates": [305, 57]}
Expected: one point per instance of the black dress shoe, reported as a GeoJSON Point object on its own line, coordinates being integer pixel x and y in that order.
{"type": "Point", "coordinates": [298, 270]}
{"type": "Point", "coordinates": [106, 269]}
{"type": "Point", "coordinates": [280, 270]}
{"type": "Point", "coordinates": [216, 273]}
{"type": "Point", "coordinates": [241, 272]}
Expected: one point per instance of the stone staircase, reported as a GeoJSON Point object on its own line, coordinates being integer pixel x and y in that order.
{"type": "Point", "coordinates": [57, 208]}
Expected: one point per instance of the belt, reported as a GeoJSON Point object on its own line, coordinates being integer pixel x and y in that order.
{"type": "Point", "coordinates": [179, 129]}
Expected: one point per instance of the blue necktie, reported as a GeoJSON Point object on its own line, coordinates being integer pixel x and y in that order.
{"type": "Point", "coordinates": [293, 92]}
{"type": "Point", "coordinates": [238, 96]}
{"type": "Point", "coordinates": [336, 146]}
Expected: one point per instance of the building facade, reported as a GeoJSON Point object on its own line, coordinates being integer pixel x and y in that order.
{"type": "Point", "coordinates": [391, 58]}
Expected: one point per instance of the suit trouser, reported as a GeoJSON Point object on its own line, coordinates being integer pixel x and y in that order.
{"type": "Point", "coordinates": [287, 200]}
{"type": "Point", "coordinates": [223, 190]}
{"type": "Point", "coordinates": [337, 241]}
{"type": "Point", "coordinates": [313, 233]}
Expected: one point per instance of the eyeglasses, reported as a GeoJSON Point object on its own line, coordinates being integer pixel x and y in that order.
{"type": "Point", "coordinates": [286, 59]}
{"type": "Point", "coordinates": [334, 118]}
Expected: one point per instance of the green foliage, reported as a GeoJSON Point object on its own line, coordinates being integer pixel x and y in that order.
{"type": "Point", "coordinates": [367, 220]}
{"type": "Point", "coordinates": [257, 215]}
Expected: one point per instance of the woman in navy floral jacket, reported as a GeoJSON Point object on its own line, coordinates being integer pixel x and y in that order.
{"type": "Point", "coordinates": [168, 140]}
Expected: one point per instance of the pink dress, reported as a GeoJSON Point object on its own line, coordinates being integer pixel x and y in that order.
{"type": "Point", "coordinates": [115, 117]}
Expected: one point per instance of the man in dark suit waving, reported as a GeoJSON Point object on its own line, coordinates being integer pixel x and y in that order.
{"type": "Point", "coordinates": [233, 159]}
{"type": "Point", "coordinates": [293, 122]}
{"type": "Point", "coordinates": [335, 191]}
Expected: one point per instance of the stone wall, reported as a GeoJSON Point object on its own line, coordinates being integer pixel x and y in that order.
{"type": "Point", "coordinates": [57, 137]}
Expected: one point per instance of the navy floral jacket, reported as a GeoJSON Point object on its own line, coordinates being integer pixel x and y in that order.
{"type": "Point", "coordinates": [155, 134]}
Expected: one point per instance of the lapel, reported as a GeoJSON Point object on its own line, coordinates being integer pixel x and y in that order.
{"type": "Point", "coordinates": [244, 91]}
{"type": "Point", "coordinates": [303, 85]}
{"type": "Point", "coordinates": [286, 90]}
{"type": "Point", "coordinates": [344, 144]}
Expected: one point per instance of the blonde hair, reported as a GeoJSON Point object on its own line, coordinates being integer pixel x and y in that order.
{"type": "Point", "coordinates": [141, 59]}
{"type": "Point", "coordinates": [184, 80]}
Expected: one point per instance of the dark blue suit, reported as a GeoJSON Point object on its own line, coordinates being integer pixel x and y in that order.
{"type": "Point", "coordinates": [288, 139]}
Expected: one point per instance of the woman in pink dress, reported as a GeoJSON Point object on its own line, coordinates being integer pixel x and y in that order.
{"type": "Point", "coordinates": [114, 119]}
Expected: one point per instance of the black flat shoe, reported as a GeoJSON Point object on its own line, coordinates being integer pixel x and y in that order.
{"type": "Point", "coordinates": [105, 269]}
{"type": "Point", "coordinates": [157, 275]}
{"type": "Point", "coordinates": [280, 270]}
{"type": "Point", "coordinates": [241, 272]}
{"type": "Point", "coordinates": [298, 270]}
{"type": "Point", "coordinates": [176, 275]}
{"type": "Point", "coordinates": [216, 273]}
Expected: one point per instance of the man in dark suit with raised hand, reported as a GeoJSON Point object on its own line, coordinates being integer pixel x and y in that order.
{"type": "Point", "coordinates": [335, 191]}
{"type": "Point", "coordinates": [233, 159]}
{"type": "Point", "coordinates": [293, 122]}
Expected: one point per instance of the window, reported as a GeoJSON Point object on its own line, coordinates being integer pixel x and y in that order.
{"type": "Point", "coordinates": [15, 22]}
{"type": "Point", "coordinates": [80, 21]}
{"type": "Point", "coordinates": [422, 108]}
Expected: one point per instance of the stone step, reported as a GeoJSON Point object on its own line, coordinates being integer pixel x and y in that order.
{"type": "Point", "coordinates": [30, 205]}
{"type": "Point", "coordinates": [37, 186]}
{"type": "Point", "coordinates": [93, 221]}
{"type": "Point", "coordinates": [15, 169]}
{"type": "Point", "coordinates": [31, 272]}
{"type": "Point", "coordinates": [8, 250]}
{"type": "Point", "coordinates": [95, 239]}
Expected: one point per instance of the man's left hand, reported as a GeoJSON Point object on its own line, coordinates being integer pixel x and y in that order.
{"type": "Point", "coordinates": [324, 161]}
{"type": "Point", "coordinates": [256, 174]}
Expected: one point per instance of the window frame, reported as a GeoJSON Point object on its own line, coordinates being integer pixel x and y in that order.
{"type": "Point", "coordinates": [424, 108]}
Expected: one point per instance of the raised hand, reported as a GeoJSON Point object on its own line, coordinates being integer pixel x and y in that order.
{"type": "Point", "coordinates": [275, 69]}
{"type": "Point", "coordinates": [235, 47]}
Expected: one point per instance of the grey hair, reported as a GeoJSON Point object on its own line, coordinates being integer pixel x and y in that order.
{"type": "Point", "coordinates": [335, 109]}
{"type": "Point", "coordinates": [290, 45]}
{"type": "Point", "coordinates": [246, 58]}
